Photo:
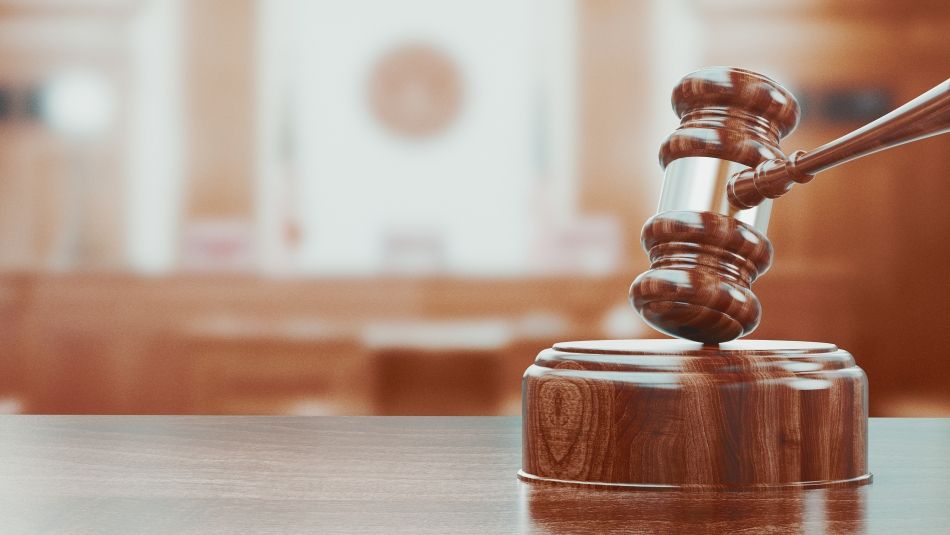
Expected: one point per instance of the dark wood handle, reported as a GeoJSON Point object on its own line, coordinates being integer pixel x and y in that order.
{"type": "Point", "coordinates": [925, 116]}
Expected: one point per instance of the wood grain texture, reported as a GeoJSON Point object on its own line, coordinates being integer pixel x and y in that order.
{"type": "Point", "coordinates": [731, 114]}
{"type": "Point", "coordinates": [925, 116]}
{"type": "Point", "coordinates": [701, 270]}
{"type": "Point", "coordinates": [145, 475]}
{"type": "Point", "coordinates": [697, 287]}
{"type": "Point", "coordinates": [751, 414]}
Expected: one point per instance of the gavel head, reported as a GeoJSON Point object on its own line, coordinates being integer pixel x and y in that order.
{"type": "Point", "coordinates": [704, 253]}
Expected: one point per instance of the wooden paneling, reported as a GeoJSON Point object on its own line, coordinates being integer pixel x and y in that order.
{"type": "Point", "coordinates": [60, 195]}
{"type": "Point", "coordinates": [220, 82]}
{"type": "Point", "coordinates": [618, 174]}
{"type": "Point", "coordinates": [229, 345]}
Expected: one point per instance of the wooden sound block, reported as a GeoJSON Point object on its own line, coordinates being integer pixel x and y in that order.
{"type": "Point", "coordinates": [673, 414]}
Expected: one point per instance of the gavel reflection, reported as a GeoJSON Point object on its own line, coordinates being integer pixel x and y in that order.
{"type": "Point", "coordinates": [563, 509]}
{"type": "Point", "coordinates": [723, 166]}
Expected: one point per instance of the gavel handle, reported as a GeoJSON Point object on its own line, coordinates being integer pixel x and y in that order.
{"type": "Point", "coordinates": [925, 116]}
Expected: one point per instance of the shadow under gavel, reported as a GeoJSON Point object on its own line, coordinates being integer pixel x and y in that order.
{"type": "Point", "coordinates": [723, 167]}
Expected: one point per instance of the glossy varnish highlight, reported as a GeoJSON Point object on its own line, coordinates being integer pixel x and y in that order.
{"type": "Point", "coordinates": [675, 414]}
{"type": "Point", "coordinates": [690, 291]}
{"type": "Point", "coordinates": [731, 114]}
{"type": "Point", "coordinates": [701, 270]}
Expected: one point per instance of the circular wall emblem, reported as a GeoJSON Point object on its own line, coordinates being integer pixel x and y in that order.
{"type": "Point", "coordinates": [415, 90]}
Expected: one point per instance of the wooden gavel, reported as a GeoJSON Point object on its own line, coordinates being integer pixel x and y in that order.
{"type": "Point", "coordinates": [723, 166]}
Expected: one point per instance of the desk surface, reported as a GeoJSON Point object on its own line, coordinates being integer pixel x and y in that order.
{"type": "Point", "coordinates": [142, 474]}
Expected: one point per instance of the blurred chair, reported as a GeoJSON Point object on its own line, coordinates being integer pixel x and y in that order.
{"type": "Point", "coordinates": [251, 366]}
{"type": "Point", "coordinates": [13, 297]}
{"type": "Point", "coordinates": [437, 368]}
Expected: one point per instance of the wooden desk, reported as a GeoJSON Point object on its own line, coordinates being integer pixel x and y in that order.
{"type": "Point", "coordinates": [181, 474]}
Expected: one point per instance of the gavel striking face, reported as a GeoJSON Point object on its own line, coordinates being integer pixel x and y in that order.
{"type": "Point", "coordinates": [723, 167]}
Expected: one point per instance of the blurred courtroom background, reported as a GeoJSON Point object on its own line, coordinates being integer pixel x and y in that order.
{"type": "Point", "coordinates": [389, 207]}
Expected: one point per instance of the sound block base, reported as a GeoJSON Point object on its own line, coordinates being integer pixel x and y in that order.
{"type": "Point", "coordinates": [677, 415]}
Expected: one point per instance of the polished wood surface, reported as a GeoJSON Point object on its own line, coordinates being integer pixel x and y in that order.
{"type": "Point", "coordinates": [927, 115]}
{"type": "Point", "coordinates": [675, 414]}
{"type": "Point", "coordinates": [731, 114]}
{"type": "Point", "coordinates": [139, 474]}
{"type": "Point", "coordinates": [701, 268]}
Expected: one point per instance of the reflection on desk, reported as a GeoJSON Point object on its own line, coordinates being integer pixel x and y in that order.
{"type": "Point", "coordinates": [139, 474]}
